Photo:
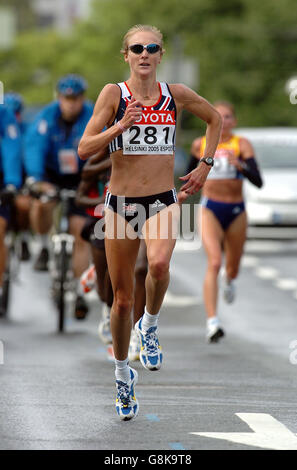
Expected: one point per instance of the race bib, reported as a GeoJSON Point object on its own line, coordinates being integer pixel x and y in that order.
{"type": "Point", "coordinates": [154, 133]}
{"type": "Point", "coordinates": [222, 169]}
{"type": "Point", "coordinates": [68, 162]}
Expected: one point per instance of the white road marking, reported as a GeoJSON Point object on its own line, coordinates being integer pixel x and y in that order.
{"type": "Point", "coordinates": [270, 246]}
{"type": "Point", "coordinates": [286, 284]}
{"type": "Point", "coordinates": [179, 300]}
{"type": "Point", "coordinates": [266, 272]}
{"type": "Point", "coordinates": [249, 261]}
{"type": "Point", "coordinates": [190, 245]}
{"type": "Point", "coordinates": [268, 433]}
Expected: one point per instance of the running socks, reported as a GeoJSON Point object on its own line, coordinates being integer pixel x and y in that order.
{"type": "Point", "coordinates": [212, 322]}
{"type": "Point", "coordinates": [149, 320]}
{"type": "Point", "coordinates": [122, 371]}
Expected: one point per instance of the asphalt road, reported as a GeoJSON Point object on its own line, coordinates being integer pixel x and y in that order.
{"type": "Point", "coordinates": [58, 392]}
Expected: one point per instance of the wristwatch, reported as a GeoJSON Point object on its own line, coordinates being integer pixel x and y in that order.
{"type": "Point", "coordinates": [208, 160]}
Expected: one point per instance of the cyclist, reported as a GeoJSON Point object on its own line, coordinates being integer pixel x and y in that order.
{"type": "Point", "coordinates": [51, 158]}
{"type": "Point", "coordinates": [15, 103]}
{"type": "Point", "coordinates": [141, 117]}
{"type": "Point", "coordinates": [10, 175]}
{"type": "Point", "coordinates": [224, 220]}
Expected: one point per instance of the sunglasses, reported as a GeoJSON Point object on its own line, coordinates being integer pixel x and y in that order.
{"type": "Point", "coordinates": [139, 48]}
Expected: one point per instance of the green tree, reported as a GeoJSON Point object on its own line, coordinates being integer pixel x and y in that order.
{"type": "Point", "coordinates": [246, 52]}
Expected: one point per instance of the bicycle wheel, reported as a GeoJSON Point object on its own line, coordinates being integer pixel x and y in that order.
{"type": "Point", "coordinates": [61, 286]}
{"type": "Point", "coordinates": [5, 294]}
{"type": "Point", "coordinates": [6, 285]}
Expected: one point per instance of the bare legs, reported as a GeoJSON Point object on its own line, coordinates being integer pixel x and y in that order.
{"type": "Point", "coordinates": [81, 252]}
{"type": "Point", "coordinates": [214, 239]}
{"type": "Point", "coordinates": [141, 269]}
{"type": "Point", "coordinates": [160, 237]}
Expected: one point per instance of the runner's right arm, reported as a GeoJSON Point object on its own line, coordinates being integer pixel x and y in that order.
{"type": "Point", "coordinates": [94, 138]}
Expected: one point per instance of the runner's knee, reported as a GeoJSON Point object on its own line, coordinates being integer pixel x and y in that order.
{"type": "Point", "coordinates": [215, 264]}
{"type": "Point", "coordinates": [159, 268]}
{"type": "Point", "coordinates": [123, 304]}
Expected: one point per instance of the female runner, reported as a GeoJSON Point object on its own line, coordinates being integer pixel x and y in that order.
{"type": "Point", "coordinates": [223, 217]}
{"type": "Point", "coordinates": [140, 116]}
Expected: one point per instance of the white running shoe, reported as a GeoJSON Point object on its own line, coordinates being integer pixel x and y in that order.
{"type": "Point", "coordinates": [213, 331]}
{"type": "Point", "coordinates": [134, 347]}
{"type": "Point", "coordinates": [151, 355]}
{"type": "Point", "coordinates": [126, 402]}
{"type": "Point", "coordinates": [229, 292]}
{"type": "Point", "coordinates": [229, 289]}
{"type": "Point", "coordinates": [104, 326]}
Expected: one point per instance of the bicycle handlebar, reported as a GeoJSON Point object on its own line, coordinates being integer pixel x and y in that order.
{"type": "Point", "coordinates": [53, 194]}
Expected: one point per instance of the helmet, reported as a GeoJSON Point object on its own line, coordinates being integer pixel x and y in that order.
{"type": "Point", "coordinates": [14, 101]}
{"type": "Point", "coordinates": [71, 85]}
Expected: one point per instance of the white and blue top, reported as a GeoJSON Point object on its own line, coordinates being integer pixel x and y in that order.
{"type": "Point", "coordinates": [152, 134]}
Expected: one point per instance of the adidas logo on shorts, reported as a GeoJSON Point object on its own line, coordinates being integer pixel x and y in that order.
{"type": "Point", "coordinates": [157, 204]}
{"type": "Point", "coordinates": [236, 210]}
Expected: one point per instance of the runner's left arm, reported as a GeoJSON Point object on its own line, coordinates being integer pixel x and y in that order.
{"type": "Point", "coordinates": [248, 164]}
{"type": "Point", "coordinates": [189, 100]}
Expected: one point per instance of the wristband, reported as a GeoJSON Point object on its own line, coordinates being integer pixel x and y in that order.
{"type": "Point", "coordinates": [123, 129]}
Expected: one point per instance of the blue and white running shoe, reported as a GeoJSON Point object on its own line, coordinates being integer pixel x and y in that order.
{"type": "Point", "coordinates": [134, 347]}
{"type": "Point", "coordinates": [151, 355]}
{"type": "Point", "coordinates": [126, 403]}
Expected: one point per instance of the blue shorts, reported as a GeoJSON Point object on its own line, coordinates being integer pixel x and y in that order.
{"type": "Point", "coordinates": [225, 212]}
{"type": "Point", "coordinates": [5, 213]}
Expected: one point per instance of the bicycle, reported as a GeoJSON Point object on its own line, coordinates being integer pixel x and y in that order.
{"type": "Point", "coordinates": [60, 264]}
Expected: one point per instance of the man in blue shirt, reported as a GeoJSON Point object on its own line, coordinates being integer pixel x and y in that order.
{"type": "Point", "coordinates": [10, 175]}
{"type": "Point", "coordinates": [51, 158]}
